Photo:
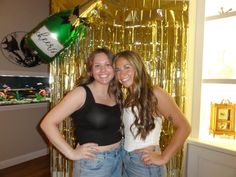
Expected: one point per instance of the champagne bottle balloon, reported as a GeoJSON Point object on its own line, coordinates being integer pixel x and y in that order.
{"type": "Point", "coordinates": [54, 34]}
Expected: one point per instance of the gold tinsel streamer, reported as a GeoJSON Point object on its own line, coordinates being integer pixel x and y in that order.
{"type": "Point", "coordinates": [157, 29]}
{"type": "Point", "coordinates": [64, 71]}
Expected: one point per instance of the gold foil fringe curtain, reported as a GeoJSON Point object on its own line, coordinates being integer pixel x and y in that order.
{"type": "Point", "coordinates": [157, 29]}
{"type": "Point", "coordinates": [64, 71]}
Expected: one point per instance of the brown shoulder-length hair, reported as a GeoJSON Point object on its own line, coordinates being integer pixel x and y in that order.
{"type": "Point", "coordinates": [86, 77]}
{"type": "Point", "coordinates": [139, 96]}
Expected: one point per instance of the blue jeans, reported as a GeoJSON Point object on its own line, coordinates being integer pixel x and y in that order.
{"type": "Point", "coordinates": [134, 167]}
{"type": "Point", "coordinates": [106, 164]}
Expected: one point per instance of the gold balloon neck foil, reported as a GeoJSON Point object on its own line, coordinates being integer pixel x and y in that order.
{"type": "Point", "coordinates": [156, 29]}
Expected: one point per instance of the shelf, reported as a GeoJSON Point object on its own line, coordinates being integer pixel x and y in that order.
{"type": "Point", "coordinates": [219, 81]}
{"type": "Point", "coordinates": [20, 89]}
{"type": "Point", "coordinates": [220, 16]}
{"type": "Point", "coordinates": [24, 106]}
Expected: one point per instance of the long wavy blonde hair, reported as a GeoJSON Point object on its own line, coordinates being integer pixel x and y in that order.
{"type": "Point", "coordinates": [139, 96]}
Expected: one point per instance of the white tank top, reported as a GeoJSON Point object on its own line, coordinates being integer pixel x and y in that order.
{"type": "Point", "coordinates": [131, 143]}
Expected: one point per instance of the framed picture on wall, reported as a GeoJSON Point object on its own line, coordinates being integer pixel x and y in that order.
{"type": "Point", "coordinates": [222, 118]}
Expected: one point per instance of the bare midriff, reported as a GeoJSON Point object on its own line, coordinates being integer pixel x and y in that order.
{"type": "Point", "coordinates": [109, 147]}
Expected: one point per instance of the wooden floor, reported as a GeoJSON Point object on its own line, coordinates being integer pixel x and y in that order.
{"type": "Point", "coordinates": [38, 167]}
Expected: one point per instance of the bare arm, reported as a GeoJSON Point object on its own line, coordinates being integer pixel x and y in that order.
{"type": "Point", "coordinates": [71, 102]}
{"type": "Point", "coordinates": [169, 109]}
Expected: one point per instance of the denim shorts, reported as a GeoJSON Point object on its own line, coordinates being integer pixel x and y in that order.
{"type": "Point", "coordinates": [133, 166]}
{"type": "Point", "coordinates": [106, 164]}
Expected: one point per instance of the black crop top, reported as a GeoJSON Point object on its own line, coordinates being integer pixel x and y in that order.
{"type": "Point", "coordinates": [97, 123]}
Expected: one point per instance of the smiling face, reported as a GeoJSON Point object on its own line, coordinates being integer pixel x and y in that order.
{"type": "Point", "coordinates": [102, 70]}
{"type": "Point", "coordinates": [124, 72]}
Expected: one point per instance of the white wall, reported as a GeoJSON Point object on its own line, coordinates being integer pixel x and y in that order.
{"type": "Point", "coordinates": [203, 158]}
{"type": "Point", "coordinates": [20, 137]}
{"type": "Point", "coordinates": [22, 15]}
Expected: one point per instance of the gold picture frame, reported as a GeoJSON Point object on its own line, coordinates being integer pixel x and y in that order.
{"type": "Point", "coordinates": [222, 119]}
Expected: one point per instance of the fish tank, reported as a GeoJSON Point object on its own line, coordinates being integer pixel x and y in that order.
{"type": "Point", "coordinates": [23, 89]}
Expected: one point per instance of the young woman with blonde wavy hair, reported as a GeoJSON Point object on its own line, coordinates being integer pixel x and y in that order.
{"type": "Point", "coordinates": [144, 105]}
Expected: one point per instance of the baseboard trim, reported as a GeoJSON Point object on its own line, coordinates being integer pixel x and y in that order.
{"type": "Point", "coordinates": [23, 158]}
